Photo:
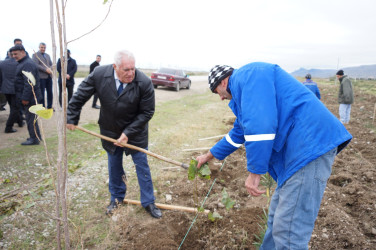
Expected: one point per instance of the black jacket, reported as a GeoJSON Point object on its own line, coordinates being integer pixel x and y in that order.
{"type": "Point", "coordinates": [7, 76]}
{"type": "Point", "coordinates": [71, 70]}
{"type": "Point", "coordinates": [128, 113]}
{"type": "Point", "coordinates": [93, 66]}
{"type": "Point", "coordinates": [22, 86]}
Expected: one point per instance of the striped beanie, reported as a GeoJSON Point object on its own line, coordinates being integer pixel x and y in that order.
{"type": "Point", "coordinates": [217, 74]}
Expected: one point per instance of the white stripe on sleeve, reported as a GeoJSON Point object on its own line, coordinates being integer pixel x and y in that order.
{"type": "Point", "coordinates": [229, 140]}
{"type": "Point", "coordinates": [260, 137]}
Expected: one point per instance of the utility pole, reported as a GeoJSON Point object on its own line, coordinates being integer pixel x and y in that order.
{"type": "Point", "coordinates": [335, 79]}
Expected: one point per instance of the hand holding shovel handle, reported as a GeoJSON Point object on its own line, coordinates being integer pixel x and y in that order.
{"type": "Point", "coordinates": [183, 165]}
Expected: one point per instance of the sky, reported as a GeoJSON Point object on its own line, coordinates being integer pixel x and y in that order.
{"type": "Point", "coordinates": [198, 34]}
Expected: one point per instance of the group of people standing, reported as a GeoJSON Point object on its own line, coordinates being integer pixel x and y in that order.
{"type": "Point", "coordinates": [345, 94]}
{"type": "Point", "coordinates": [17, 92]}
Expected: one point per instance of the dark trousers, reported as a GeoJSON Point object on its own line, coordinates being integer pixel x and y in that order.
{"type": "Point", "coordinates": [14, 112]}
{"type": "Point", "coordinates": [33, 129]}
{"type": "Point", "coordinates": [69, 90]}
{"type": "Point", "coordinates": [3, 100]}
{"type": "Point", "coordinates": [95, 99]}
{"type": "Point", "coordinates": [46, 85]}
{"type": "Point", "coordinates": [116, 184]}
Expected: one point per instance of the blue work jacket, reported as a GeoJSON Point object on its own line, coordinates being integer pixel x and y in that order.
{"type": "Point", "coordinates": [282, 125]}
{"type": "Point", "coordinates": [311, 85]}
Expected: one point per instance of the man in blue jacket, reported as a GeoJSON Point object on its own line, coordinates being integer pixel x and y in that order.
{"type": "Point", "coordinates": [287, 132]}
{"type": "Point", "coordinates": [311, 85]}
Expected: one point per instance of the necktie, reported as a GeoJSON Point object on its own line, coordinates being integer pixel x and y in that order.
{"type": "Point", "coordinates": [120, 89]}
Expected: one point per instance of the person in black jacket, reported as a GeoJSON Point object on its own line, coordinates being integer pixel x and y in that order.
{"type": "Point", "coordinates": [24, 90]}
{"type": "Point", "coordinates": [92, 67]}
{"type": "Point", "coordinates": [127, 104]}
{"type": "Point", "coordinates": [71, 70]}
{"type": "Point", "coordinates": [7, 77]}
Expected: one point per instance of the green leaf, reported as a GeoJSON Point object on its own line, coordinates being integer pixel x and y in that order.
{"type": "Point", "coordinates": [29, 76]}
{"type": "Point", "coordinates": [205, 170]}
{"type": "Point", "coordinates": [229, 204]}
{"type": "Point", "coordinates": [35, 108]}
{"type": "Point", "coordinates": [226, 200]}
{"type": "Point", "coordinates": [46, 113]}
{"type": "Point", "coordinates": [214, 216]}
{"type": "Point", "coordinates": [192, 170]}
{"type": "Point", "coordinates": [200, 209]}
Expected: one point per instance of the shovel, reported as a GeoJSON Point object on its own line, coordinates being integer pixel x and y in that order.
{"type": "Point", "coordinates": [183, 165]}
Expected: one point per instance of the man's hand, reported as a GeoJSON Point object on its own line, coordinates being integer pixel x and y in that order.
{"type": "Point", "coordinates": [25, 102]}
{"type": "Point", "coordinates": [71, 127]}
{"type": "Point", "coordinates": [49, 71]}
{"type": "Point", "coordinates": [68, 76]}
{"type": "Point", "coordinates": [202, 159]}
{"type": "Point", "coordinates": [252, 183]}
{"type": "Point", "coordinates": [122, 139]}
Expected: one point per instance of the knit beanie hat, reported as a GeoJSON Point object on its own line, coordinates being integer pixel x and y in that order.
{"type": "Point", "coordinates": [340, 72]}
{"type": "Point", "coordinates": [217, 74]}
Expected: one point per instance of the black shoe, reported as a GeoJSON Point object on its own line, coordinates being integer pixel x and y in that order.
{"type": "Point", "coordinates": [21, 124]}
{"type": "Point", "coordinates": [111, 208]}
{"type": "Point", "coordinates": [30, 142]}
{"type": "Point", "coordinates": [10, 130]}
{"type": "Point", "coordinates": [96, 107]}
{"type": "Point", "coordinates": [153, 211]}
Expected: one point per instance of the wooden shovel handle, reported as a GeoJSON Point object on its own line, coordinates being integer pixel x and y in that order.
{"type": "Point", "coordinates": [169, 207]}
{"type": "Point", "coordinates": [183, 165]}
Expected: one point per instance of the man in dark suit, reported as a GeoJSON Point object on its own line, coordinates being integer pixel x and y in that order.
{"type": "Point", "coordinates": [127, 104]}
{"type": "Point", "coordinates": [7, 78]}
{"type": "Point", "coordinates": [92, 67]}
{"type": "Point", "coordinates": [71, 70]}
{"type": "Point", "coordinates": [24, 90]}
{"type": "Point", "coordinates": [44, 64]}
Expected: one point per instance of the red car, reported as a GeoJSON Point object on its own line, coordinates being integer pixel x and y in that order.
{"type": "Point", "coordinates": [174, 78]}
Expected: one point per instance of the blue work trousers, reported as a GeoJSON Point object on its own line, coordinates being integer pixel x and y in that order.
{"type": "Point", "coordinates": [294, 206]}
{"type": "Point", "coordinates": [116, 185]}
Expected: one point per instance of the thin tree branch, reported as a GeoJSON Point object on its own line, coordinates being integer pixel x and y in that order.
{"type": "Point", "coordinates": [108, 12]}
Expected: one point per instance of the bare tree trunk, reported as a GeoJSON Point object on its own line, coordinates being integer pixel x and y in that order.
{"type": "Point", "coordinates": [64, 173]}
{"type": "Point", "coordinates": [61, 120]}
{"type": "Point", "coordinates": [58, 19]}
{"type": "Point", "coordinates": [56, 104]}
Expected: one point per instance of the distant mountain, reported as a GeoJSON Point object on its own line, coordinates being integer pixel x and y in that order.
{"type": "Point", "coordinates": [363, 71]}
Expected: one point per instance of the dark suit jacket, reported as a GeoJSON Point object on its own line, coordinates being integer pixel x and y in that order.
{"type": "Point", "coordinates": [7, 76]}
{"type": "Point", "coordinates": [71, 70]}
{"type": "Point", "coordinates": [128, 113]}
{"type": "Point", "coordinates": [22, 86]}
{"type": "Point", "coordinates": [93, 66]}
